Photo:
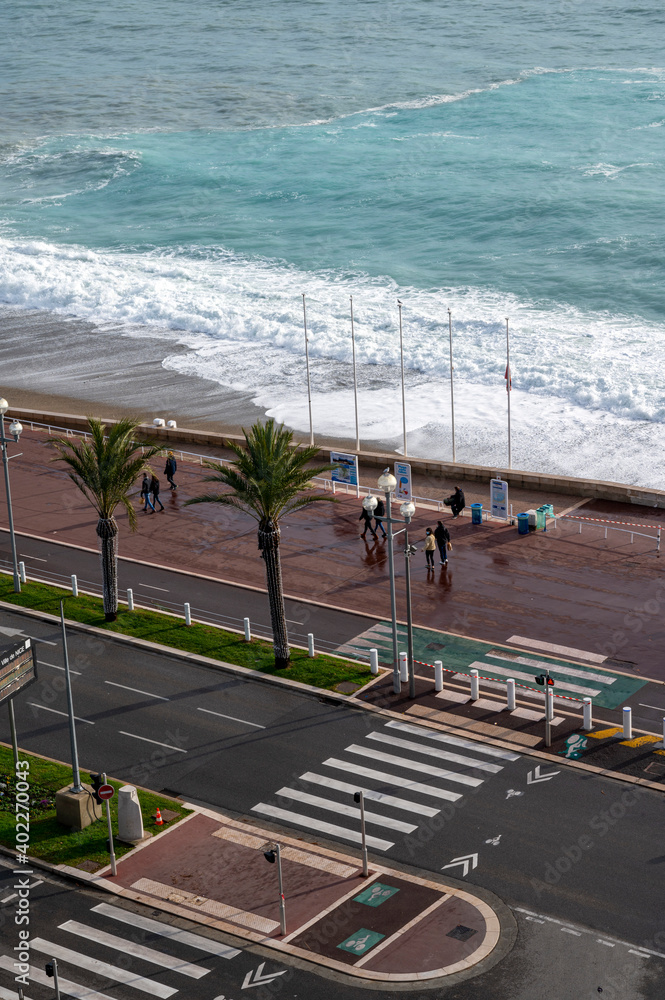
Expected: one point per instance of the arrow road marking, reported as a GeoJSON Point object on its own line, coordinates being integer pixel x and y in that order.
{"type": "Point", "coordinates": [511, 792]}
{"type": "Point", "coordinates": [533, 777]}
{"type": "Point", "coordinates": [494, 841]}
{"type": "Point", "coordinates": [259, 978]}
{"type": "Point", "coordinates": [464, 861]}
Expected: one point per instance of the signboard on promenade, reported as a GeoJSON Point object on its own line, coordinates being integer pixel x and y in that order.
{"type": "Point", "coordinates": [403, 477]}
{"type": "Point", "coordinates": [18, 668]}
{"type": "Point", "coordinates": [346, 468]}
{"type": "Point", "coordinates": [499, 498]}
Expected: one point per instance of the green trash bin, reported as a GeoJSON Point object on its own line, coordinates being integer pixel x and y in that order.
{"type": "Point", "coordinates": [476, 513]}
{"type": "Point", "coordinates": [523, 524]}
{"type": "Point", "coordinates": [541, 523]}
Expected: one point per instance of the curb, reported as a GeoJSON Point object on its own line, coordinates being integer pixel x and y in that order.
{"type": "Point", "coordinates": [329, 696]}
{"type": "Point", "coordinates": [501, 926]}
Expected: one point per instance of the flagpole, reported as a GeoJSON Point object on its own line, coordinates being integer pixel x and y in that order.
{"type": "Point", "coordinates": [309, 385]}
{"type": "Point", "coordinates": [355, 380]}
{"type": "Point", "coordinates": [401, 352]}
{"type": "Point", "coordinates": [508, 390]}
{"type": "Point", "coordinates": [452, 395]}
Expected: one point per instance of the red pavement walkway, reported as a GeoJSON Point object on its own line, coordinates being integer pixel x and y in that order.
{"type": "Point", "coordinates": [579, 590]}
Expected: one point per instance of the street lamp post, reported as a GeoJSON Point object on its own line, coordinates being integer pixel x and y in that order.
{"type": "Point", "coordinates": [407, 510]}
{"type": "Point", "coordinates": [271, 855]}
{"type": "Point", "coordinates": [15, 429]}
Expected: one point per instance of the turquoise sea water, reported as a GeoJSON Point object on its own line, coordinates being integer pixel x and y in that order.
{"type": "Point", "coordinates": [193, 170]}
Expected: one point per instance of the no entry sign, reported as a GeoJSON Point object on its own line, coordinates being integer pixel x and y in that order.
{"type": "Point", "coordinates": [106, 791]}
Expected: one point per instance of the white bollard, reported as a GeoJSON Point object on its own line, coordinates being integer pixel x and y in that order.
{"type": "Point", "coordinates": [130, 599]}
{"type": "Point", "coordinates": [188, 615]}
{"type": "Point", "coordinates": [627, 724]}
{"type": "Point", "coordinates": [21, 571]}
{"type": "Point", "coordinates": [248, 630]}
{"type": "Point", "coordinates": [438, 675]}
{"type": "Point", "coordinates": [310, 644]}
{"type": "Point", "coordinates": [475, 685]}
{"type": "Point", "coordinates": [75, 586]}
{"type": "Point", "coordinates": [403, 668]}
{"type": "Point", "coordinates": [664, 731]}
{"type": "Point", "coordinates": [510, 694]}
{"type": "Point", "coordinates": [374, 661]}
{"type": "Point", "coordinates": [588, 712]}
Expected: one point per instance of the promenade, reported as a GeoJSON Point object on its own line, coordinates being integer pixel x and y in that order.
{"type": "Point", "coordinates": [580, 590]}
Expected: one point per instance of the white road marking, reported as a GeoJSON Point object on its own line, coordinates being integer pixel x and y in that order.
{"type": "Point", "coordinates": [150, 587]}
{"type": "Point", "coordinates": [658, 708]}
{"type": "Point", "coordinates": [66, 985]}
{"type": "Point", "coordinates": [24, 555]}
{"type": "Point", "coordinates": [389, 800]}
{"type": "Point", "coordinates": [642, 954]}
{"type": "Point", "coordinates": [43, 663]}
{"type": "Point", "coordinates": [569, 930]}
{"type": "Point", "coordinates": [542, 917]}
{"type": "Point", "coordinates": [585, 675]}
{"type": "Point", "coordinates": [8, 899]}
{"type": "Point", "coordinates": [415, 765]}
{"type": "Point", "coordinates": [56, 712]}
{"type": "Point", "coordinates": [404, 784]}
{"type": "Point", "coordinates": [6, 995]}
{"type": "Point", "coordinates": [231, 717]}
{"type": "Point", "coordinates": [536, 920]}
{"type": "Point", "coordinates": [522, 692]}
{"type": "Point", "coordinates": [453, 740]}
{"type": "Point", "coordinates": [205, 944]}
{"type": "Point", "coordinates": [82, 961]}
{"type": "Point", "coordinates": [274, 812]}
{"type": "Point", "coordinates": [430, 751]}
{"type": "Point", "coordinates": [344, 810]}
{"type": "Point", "coordinates": [609, 944]}
{"type": "Point", "coordinates": [148, 694]}
{"type": "Point", "coordinates": [46, 642]}
{"type": "Point", "coordinates": [128, 947]}
{"type": "Point", "coordinates": [519, 675]}
{"type": "Point", "coordinates": [156, 742]}
{"type": "Point", "coordinates": [550, 647]}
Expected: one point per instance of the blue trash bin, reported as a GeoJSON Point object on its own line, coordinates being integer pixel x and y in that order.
{"type": "Point", "coordinates": [523, 524]}
{"type": "Point", "coordinates": [476, 513]}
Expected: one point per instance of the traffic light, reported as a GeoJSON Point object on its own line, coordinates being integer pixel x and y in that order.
{"type": "Point", "coordinates": [544, 680]}
{"type": "Point", "coordinates": [269, 856]}
{"type": "Point", "coordinates": [97, 783]}
{"type": "Point", "coordinates": [49, 969]}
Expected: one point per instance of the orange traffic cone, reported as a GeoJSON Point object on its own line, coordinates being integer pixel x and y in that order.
{"type": "Point", "coordinates": [158, 819]}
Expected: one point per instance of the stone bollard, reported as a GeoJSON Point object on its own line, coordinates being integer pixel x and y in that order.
{"type": "Point", "coordinates": [130, 820]}
{"type": "Point", "coordinates": [510, 694]}
{"type": "Point", "coordinates": [403, 668]}
{"type": "Point", "coordinates": [130, 599]}
{"type": "Point", "coordinates": [248, 630]}
{"type": "Point", "coordinates": [475, 685]}
{"type": "Point", "coordinates": [588, 713]}
{"type": "Point", "coordinates": [310, 645]}
{"type": "Point", "coordinates": [188, 614]}
{"type": "Point", "coordinates": [374, 661]}
{"type": "Point", "coordinates": [627, 724]}
{"type": "Point", "coordinates": [75, 586]}
{"type": "Point", "coordinates": [438, 675]}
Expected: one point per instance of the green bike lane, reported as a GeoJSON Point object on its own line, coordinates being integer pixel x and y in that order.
{"type": "Point", "coordinates": [610, 690]}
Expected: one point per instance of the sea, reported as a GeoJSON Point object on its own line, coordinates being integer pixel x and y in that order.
{"type": "Point", "coordinates": [190, 171]}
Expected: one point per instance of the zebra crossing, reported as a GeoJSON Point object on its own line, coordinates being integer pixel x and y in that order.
{"type": "Point", "coordinates": [128, 954]}
{"type": "Point", "coordinates": [407, 771]}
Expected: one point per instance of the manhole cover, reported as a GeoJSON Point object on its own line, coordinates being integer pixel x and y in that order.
{"type": "Point", "coordinates": [436, 646]}
{"type": "Point", "coordinates": [461, 933]}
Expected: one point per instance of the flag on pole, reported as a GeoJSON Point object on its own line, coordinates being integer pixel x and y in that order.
{"type": "Point", "coordinates": [509, 379]}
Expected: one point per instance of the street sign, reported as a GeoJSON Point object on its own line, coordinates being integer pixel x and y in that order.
{"type": "Point", "coordinates": [403, 477]}
{"type": "Point", "coordinates": [346, 468]}
{"type": "Point", "coordinates": [499, 498]}
{"type": "Point", "coordinates": [18, 668]}
{"type": "Point", "coordinates": [106, 792]}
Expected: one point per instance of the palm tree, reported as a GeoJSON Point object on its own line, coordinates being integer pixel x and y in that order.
{"type": "Point", "coordinates": [267, 482]}
{"type": "Point", "coordinates": [105, 469]}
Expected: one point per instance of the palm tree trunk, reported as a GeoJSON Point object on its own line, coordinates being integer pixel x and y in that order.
{"type": "Point", "coordinates": [107, 529]}
{"type": "Point", "coordinates": [269, 545]}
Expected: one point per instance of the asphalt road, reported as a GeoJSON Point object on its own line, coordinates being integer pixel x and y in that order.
{"type": "Point", "coordinates": [548, 962]}
{"type": "Point", "coordinates": [228, 604]}
{"type": "Point", "coordinates": [575, 847]}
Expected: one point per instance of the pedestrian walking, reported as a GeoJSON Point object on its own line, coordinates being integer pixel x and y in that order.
{"type": "Point", "coordinates": [170, 470]}
{"type": "Point", "coordinates": [456, 502]}
{"type": "Point", "coordinates": [379, 514]}
{"type": "Point", "coordinates": [442, 538]}
{"type": "Point", "coordinates": [430, 546]}
{"type": "Point", "coordinates": [154, 489]}
{"type": "Point", "coordinates": [366, 517]}
{"type": "Point", "coordinates": [145, 494]}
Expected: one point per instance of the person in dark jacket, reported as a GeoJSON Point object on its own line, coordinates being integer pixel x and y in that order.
{"type": "Point", "coordinates": [154, 489]}
{"type": "Point", "coordinates": [456, 501]}
{"type": "Point", "coordinates": [145, 494]}
{"type": "Point", "coordinates": [379, 514]}
{"type": "Point", "coordinates": [442, 536]}
{"type": "Point", "coordinates": [170, 469]}
{"type": "Point", "coordinates": [367, 518]}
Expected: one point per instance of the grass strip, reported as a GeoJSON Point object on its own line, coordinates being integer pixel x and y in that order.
{"type": "Point", "coordinates": [206, 640]}
{"type": "Point", "coordinates": [49, 840]}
